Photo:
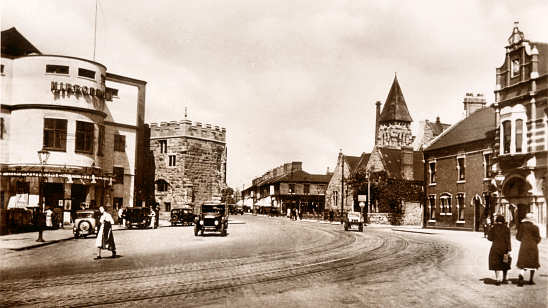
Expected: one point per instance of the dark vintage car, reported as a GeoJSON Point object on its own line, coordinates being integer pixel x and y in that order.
{"type": "Point", "coordinates": [86, 222]}
{"type": "Point", "coordinates": [211, 216]}
{"type": "Point", "coordinates": [236, 209]}
{"type": "Point", "coordinates": [354, 219]}
{"type": "Point", "coordinates": [139, 217]}
{"type": "Point", "coordinates": [182, 217]}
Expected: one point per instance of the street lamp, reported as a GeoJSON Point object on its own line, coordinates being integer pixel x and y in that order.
{"type": "Point", "coordinates": [43, 156]}
{"type": "Point", "coordinates": [499, 179]}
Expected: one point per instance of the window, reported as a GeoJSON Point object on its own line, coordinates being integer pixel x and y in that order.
{"type": "Point", "coordinates": [460, 206]}
{"type": "Point", "coordinates": [2, 128]}
{"type": "Point", "coordinates": [507, 136]}
{"type": "Point", "coordinates": [486, 165]}
{"type": "Point", "coordinates": [432, 207]}
{"type": "Point", "coordinates": [291, 188]}
{"type": "Point", "coordinates": [445, 207]}
{"type": "Point", "coordinates": [57, 69]}
{"type": "Point", "coordinates": [22, 187]}
{"type": "Point", "coordinates": [162, 185]}
{"type": "Point", "coordinates": [119, 143]}
{"type": "Point", "coordinates": [461, 168]}
{"type": "Point", "coordinates": [515, 68]}
{"type": "Point", "coordinates": [110, 93]}
{"type": "Point", "coordinates": [519, 135]}
{"type": "Point", "coordinates": [432, 171]}
{"type": "Point", "coordinates": [84, 137]}
{"type": "Point", "coordinates": [335, 198]}
{"type": "Point", "coordinates": [82, 72]}
{"type": "Point", "coordinates": [163, 146]}
{"type": "Point", "coordinates": [101, 141]}
{"type": "Point", "coordinates": [172, 160]}
{"type": "Point", "coordinates": [167, 206]}
{"type": "Point", "coordinates": [55, 134]}
{"type": "Point", "coordinates": [306, 188]}
{"type": "Point", "coordinates": [118, 174]}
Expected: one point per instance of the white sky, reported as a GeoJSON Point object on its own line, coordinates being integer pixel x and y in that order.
{"type": "Point", "coordinates": [289, 80]}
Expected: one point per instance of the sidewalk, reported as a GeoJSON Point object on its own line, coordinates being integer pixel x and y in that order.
{"type": "Point", "coordinates": [23, 241]}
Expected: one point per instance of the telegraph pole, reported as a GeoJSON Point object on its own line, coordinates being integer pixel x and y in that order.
{"type": "Point", "coordinates": [342, 186]}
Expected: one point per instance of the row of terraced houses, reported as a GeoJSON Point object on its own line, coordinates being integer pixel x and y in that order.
{"type": "Point", "coordinates": [493, 161]}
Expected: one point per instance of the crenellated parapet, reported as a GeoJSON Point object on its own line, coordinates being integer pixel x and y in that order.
{"type": "Point", "coordinates": [187, 128]}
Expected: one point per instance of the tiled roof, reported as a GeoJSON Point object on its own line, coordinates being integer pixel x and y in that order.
{"type": "Point", "coordinates": [473, 128]}
{"type": "Point", "coordinates": [437, 127]}
{"type": "Point", "coordinates": [362, 163]}
{"type": "Point", "coordinates": [395, 108]}
{"type": "Point", "coordinates": [16, 45]}
{"type": "Point", "coordinates": [300, 177]}
{"type": "Point", "coordinates": [352, 162]}
{"type": "Point", "coordinates": [392, 163]}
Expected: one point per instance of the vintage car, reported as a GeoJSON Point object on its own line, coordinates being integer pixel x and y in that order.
{"type": "Point", "coordinates": [353, 219]}
{"type": "Point", "coordinates": [139, 217]}
{"type": "Point", "coordinates": [86, 222]}
{"type": "Point", "coordinates": [211, 216]}
{"type": "Point", "coordinates": [182, 217]}
{"type": "Point", "coordinates": [236, 209]}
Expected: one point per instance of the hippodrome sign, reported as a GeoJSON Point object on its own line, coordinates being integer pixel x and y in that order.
{"type": "Point", "coordinates": [76, 89]}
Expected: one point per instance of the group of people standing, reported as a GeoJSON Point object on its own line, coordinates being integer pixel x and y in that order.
{"type": "Point", "coordinates": [500, 259]}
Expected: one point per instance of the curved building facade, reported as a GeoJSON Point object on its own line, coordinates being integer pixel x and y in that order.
{"type": "Point", "coordinates": [89, 120]}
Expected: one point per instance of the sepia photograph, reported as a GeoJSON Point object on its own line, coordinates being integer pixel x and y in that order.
{"type": "Point", "coordinates": [273, 153]}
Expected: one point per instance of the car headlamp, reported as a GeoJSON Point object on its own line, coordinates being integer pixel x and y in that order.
{"type": "Point", "coordinates": [201, 222]}
{"type": "Point", "coordinates": [216, 222]}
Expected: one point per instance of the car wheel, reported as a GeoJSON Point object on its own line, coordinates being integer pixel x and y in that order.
{"type": "Point", "coordinates": [345, 227]}
{"type": "Point", "coordinates": [360, 228]}
{"type": "Point", "coordinates": [202, 232]}
{"type": "Point", "coordinates": [76, 236]}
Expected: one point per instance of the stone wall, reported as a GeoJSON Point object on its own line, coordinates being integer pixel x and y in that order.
{"type": "Point", "coordinates": [411, 216]}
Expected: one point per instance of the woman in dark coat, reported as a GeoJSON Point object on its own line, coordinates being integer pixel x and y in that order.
{"type": "Point", "coordinates": [528, 235]}
{"type": "Point", "coordinates": [499, 234]}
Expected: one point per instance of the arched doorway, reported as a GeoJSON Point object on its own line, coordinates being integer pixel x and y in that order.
{"type": "Point", "coordinates": [516, 192]}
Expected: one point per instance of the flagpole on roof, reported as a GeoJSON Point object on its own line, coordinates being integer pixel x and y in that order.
{"type": "Point", "coordinates": [95, 31]}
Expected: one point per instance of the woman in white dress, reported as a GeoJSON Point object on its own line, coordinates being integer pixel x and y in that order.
{"type": "Point", "coordinates": [105, 238]}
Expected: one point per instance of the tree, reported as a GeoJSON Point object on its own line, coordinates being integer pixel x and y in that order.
{"type": "Point", "coordinates": [227, 195]}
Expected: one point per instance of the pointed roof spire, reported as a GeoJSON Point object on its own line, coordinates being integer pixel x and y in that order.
{"type": "Point", "coordinates": [395, 108]}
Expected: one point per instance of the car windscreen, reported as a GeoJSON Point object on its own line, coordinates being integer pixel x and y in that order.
{"type": "Point", "coordinates": [210, 208]}
{"type": "Point", "coordinates": [84, 215]}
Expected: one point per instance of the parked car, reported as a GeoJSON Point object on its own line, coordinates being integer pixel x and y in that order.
{"type": "Point", "coordinates": [211, 217]}
{"type": "Point", "coordinates": [236, 209]}
{"type": "Point", "coordinates": [86, 222]}
{"type": "Point", "coordinates": [139, 217]}
{"type": "Point", "coordinates": [353, 219]}
{"type": "Point", "coordinates": [182, 216]}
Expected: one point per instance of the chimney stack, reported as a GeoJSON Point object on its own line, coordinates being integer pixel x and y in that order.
{"type": "Point", "coordinates": [473, 103]}
{"type": "Point", "coordinates": [377, 117]}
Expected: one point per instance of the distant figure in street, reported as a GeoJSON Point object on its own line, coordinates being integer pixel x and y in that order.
{"type": "Point", "coordinates": [49, 218]}
{"type": "Point", "coordinates": [289, 213]}
{"type": "Point", "coordinates": [300, 213]}
{"type": "Point", "coordinates": [121, 216]}
{"type": "Point", "coordinates": [105, 238]}
{"type": "Point", "coordinates": [528, 259]}
{"type": "Point", "coordinates": [499, 234]}
{"type": "Point", "coordinates": [331, 215]}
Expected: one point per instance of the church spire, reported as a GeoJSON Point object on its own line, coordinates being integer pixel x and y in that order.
{"type": "Point", "coordinates": [395, 108]}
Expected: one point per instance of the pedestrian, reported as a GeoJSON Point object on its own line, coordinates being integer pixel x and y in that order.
{"type": "Point", "coordinates": [49, 218]}
{"type": "Point", "coordinates": [486, 226]}
{"type": "Point", "coordinates": [120, 216]}
{"type": "Point", "coordinates": [499, 255]}
{"type": "Point", "coordinates": [331, 215]}
{"type": "Point", "coordinates": [528, 259]}
{"type": "Point", "coordinates": [105, 238]}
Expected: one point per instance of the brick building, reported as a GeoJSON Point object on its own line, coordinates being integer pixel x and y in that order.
{"type": "Point", "coordinates": [89, 120]}
{"type": "Point", "coordinates": [457, 170]}
{"type": "Point", "coordinates": [188, 163]}
{"type": "Point", "coordinates": [521, 115]}
{"type": "Point", "coordinates": [288, 187]}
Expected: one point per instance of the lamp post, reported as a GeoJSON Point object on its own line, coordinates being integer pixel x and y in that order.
{"type": "Point", "coordinates": [43, 156]}
{"type": "Point", "coordinates": [499, 179]}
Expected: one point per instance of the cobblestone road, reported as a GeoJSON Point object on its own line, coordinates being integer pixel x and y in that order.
{"type": "Point", "coordinates": [286, 263]}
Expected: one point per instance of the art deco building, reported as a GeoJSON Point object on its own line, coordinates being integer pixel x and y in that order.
{"type": "Point", "coordinates": [88, 119]}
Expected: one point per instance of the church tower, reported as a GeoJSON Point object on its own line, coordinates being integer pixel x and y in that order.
{"type": "Point", "coordinates": [393, 128]}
